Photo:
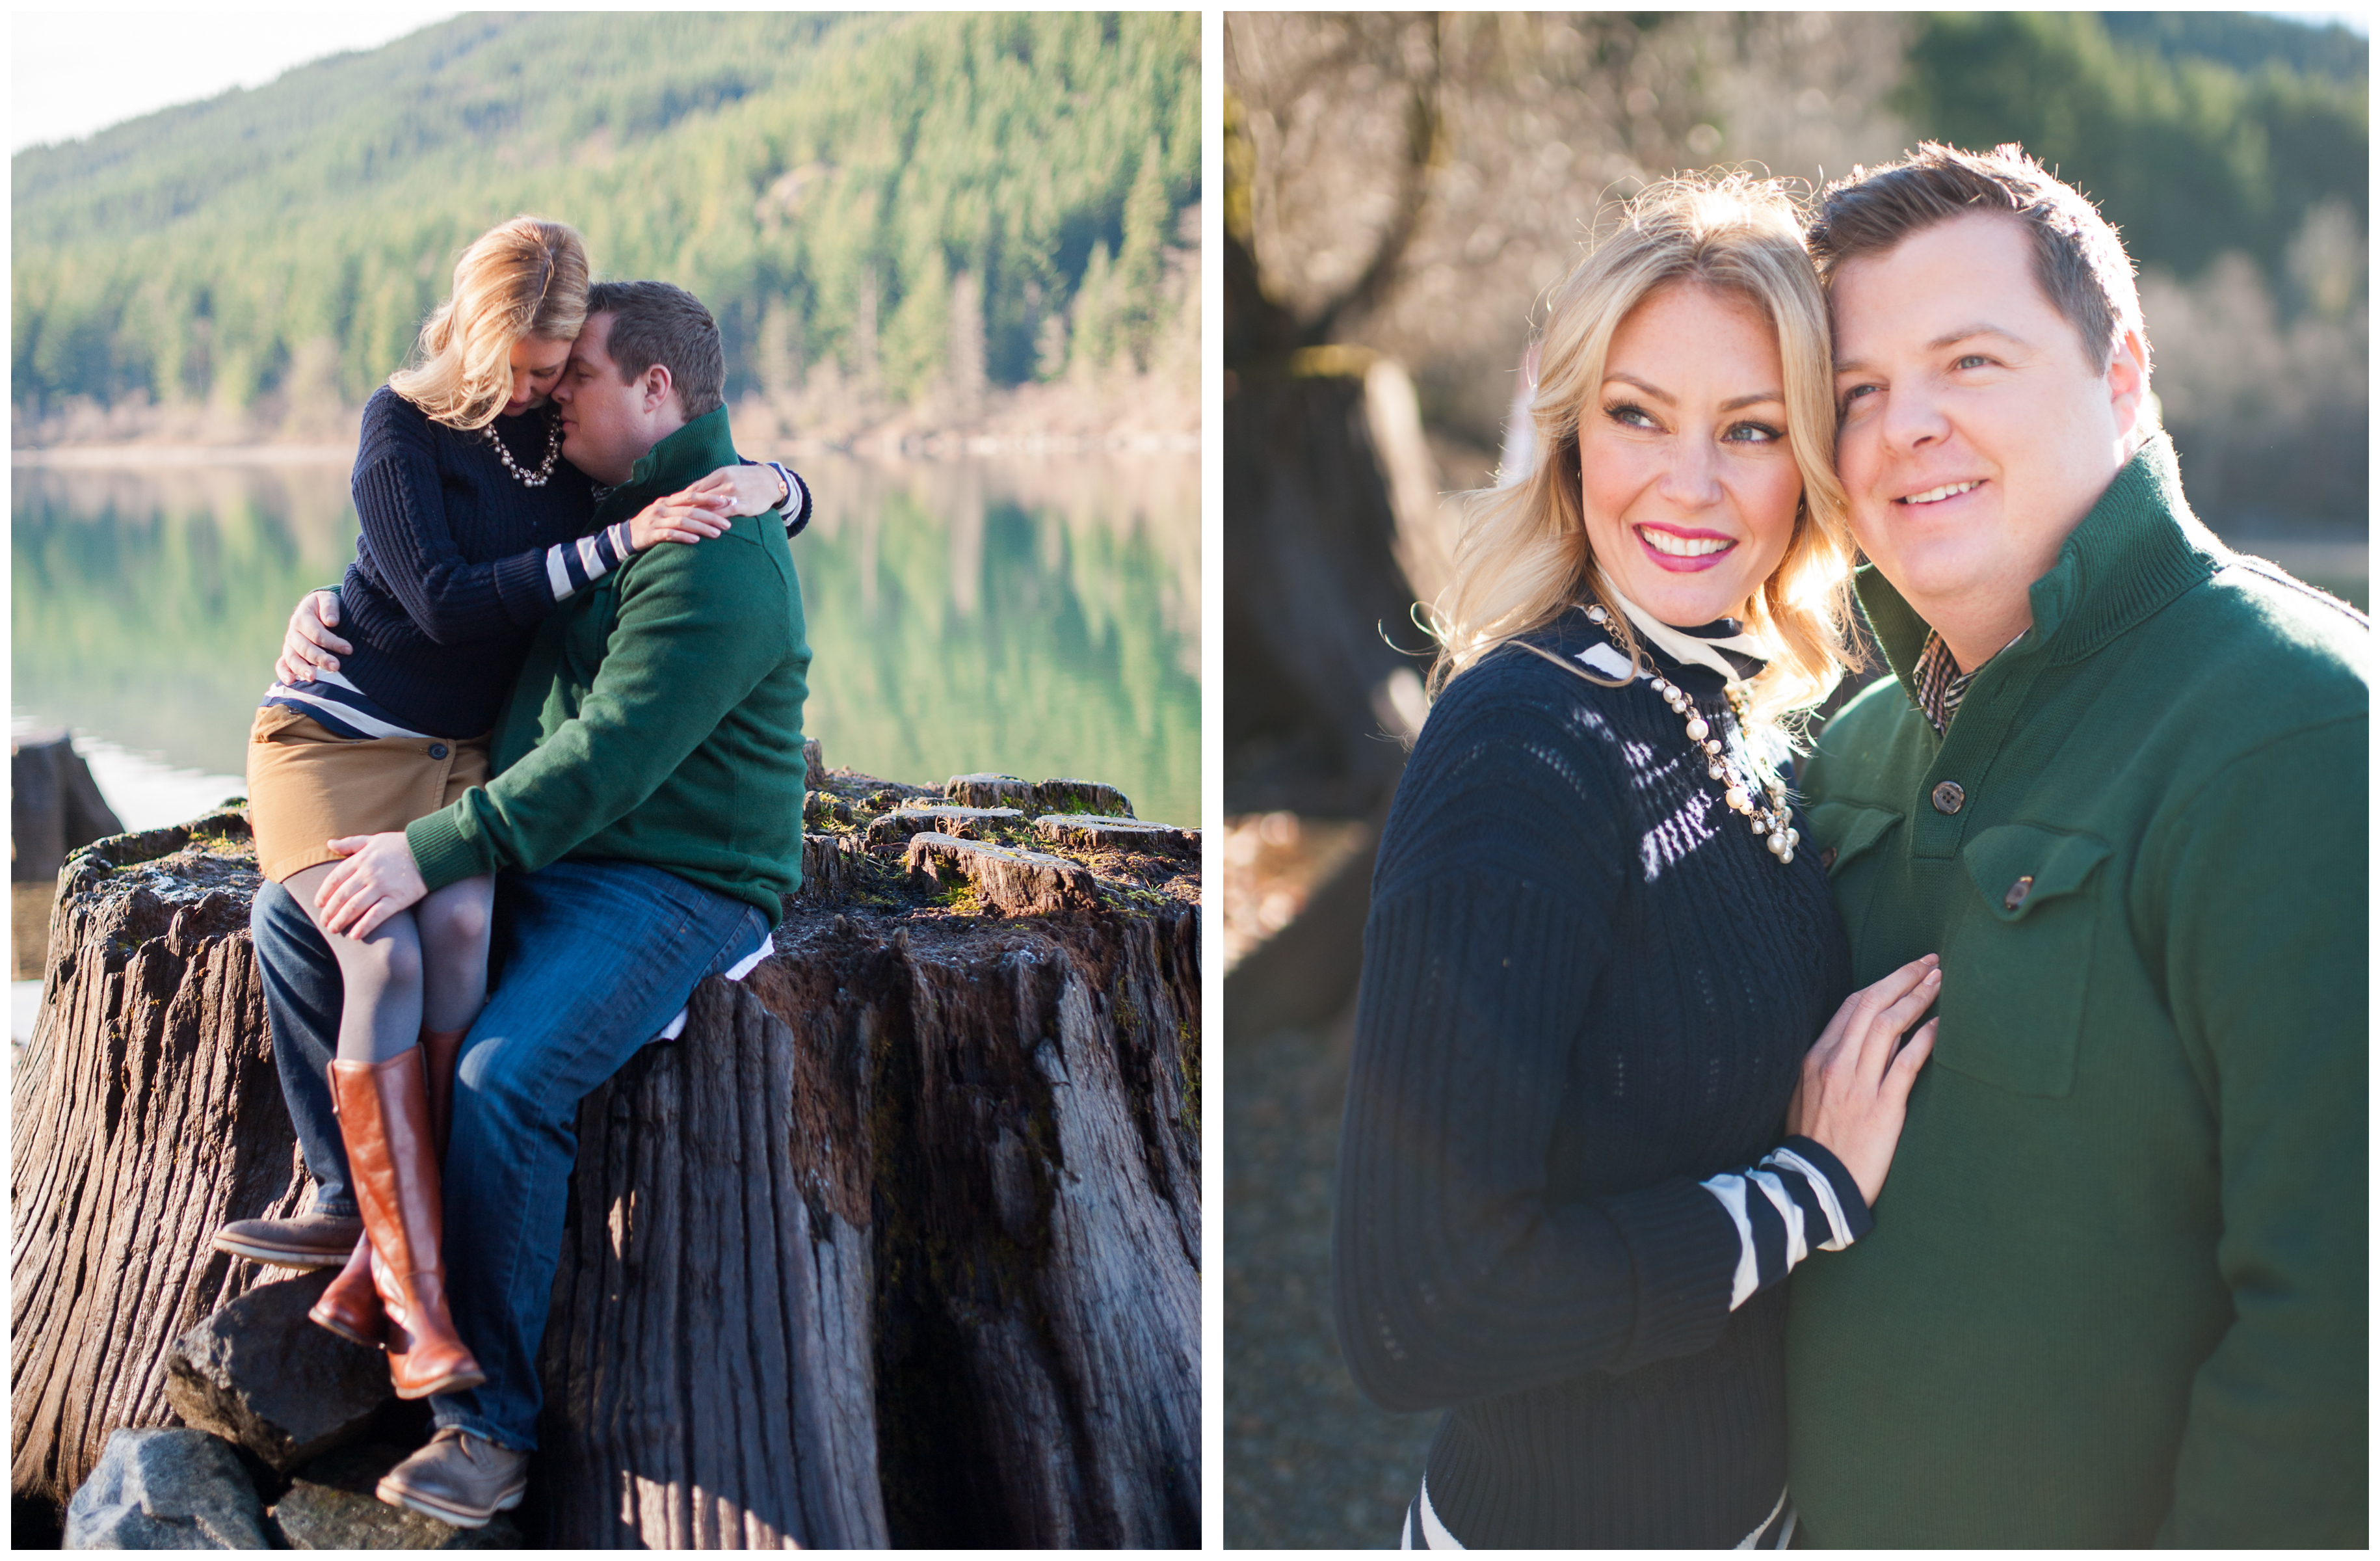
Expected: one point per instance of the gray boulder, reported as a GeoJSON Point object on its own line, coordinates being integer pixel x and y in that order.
{"type": "Point", "coordinates": [258, 1373]}
{"type": "Point", "coordinates": [331, 1506]}
{"type": "Point", "coordinates": [167, 1489]}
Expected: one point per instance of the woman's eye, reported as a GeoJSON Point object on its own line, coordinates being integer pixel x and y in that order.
{"type": "Point", "coordinates": [1629, 415]}
{"type": "Point", "coordinates": [1754, 434]}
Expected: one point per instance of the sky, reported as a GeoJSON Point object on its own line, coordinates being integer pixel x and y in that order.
{"type": "Point", "coordinates": [75, 72]}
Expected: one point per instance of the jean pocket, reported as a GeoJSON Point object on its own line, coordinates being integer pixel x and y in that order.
{"type": "Point", "coordinates": [2016, 971]}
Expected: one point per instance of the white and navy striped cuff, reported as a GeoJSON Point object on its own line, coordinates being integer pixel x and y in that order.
{"type": "Point", "coordinates": [1798, 1199]}
{"type": "Point", "coordinates": [571, 565]}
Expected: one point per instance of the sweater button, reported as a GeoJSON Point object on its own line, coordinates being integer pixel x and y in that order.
{"type": "Point", "coordinates": [1949, 797]}
{"type": "Point", "coordinates": [438, 751]}
{"type": "Point", "coordinates": [2017, 892]}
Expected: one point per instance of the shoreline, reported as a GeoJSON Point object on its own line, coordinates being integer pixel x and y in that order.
{"type": "Point", "coordinates": [890, 448]}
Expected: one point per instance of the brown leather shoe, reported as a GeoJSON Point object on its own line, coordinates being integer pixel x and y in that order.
{"type": "Point", "coordinates": [459, 1479]}
{"type": "Point", "coordinates": [306, 1241]}
{"type": "Point", "coordinates": [350, 1306]}
{"type": "Point", "coordinates": [384, 1110]}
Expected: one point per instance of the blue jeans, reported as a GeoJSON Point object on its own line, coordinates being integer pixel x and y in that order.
{"type": "Point", "coordinates": [302, 994]}
{"type": "Point", "coordinates": [596, 957]}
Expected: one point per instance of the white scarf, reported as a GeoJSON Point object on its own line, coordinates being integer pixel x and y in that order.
{"type": "Point", "coordinates": [1682, 646]}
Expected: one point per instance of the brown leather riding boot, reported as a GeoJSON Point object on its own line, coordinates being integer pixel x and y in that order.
{"type": "Point", "coordinates": [350, 1306]}
{"type": "Point", "coordinates": [383, 1111]}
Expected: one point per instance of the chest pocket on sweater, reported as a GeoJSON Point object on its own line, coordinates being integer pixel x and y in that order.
{"type": "Point", "coordinates": [2018, 966]}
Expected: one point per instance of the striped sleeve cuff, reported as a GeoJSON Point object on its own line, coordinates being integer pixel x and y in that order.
{"type": "Point", "coordinates": [796, 512]}
{"type": "Point", "coordinates": [1799, 1200]}
{"type": "Point", "coordinates": [570, 565]}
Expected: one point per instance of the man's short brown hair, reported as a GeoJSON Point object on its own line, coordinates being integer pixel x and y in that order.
{"type": "Point", "coordinates": [655, 323]}
{"type": "Point", "coordinates": [2077, 258]}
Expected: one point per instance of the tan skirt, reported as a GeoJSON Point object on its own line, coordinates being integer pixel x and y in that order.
{"type": "Point", "coordinates": [307, 786]}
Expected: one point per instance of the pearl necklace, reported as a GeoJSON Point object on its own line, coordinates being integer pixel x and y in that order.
{"type": "Point", "coordinates": [1769, 817]}
{"type": "Point", "coordinates": [544, 472]}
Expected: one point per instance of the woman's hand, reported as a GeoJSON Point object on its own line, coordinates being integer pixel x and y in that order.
{"type": "Point", "coordinates": [751, 490]}
{"type": "Point", "coordinates": [1854, 1089]}
{"type": "Point", "coordinates": [378, 879]}
{"type": "Point", "coordinates": [309, 648]}
{"type": "Point", "coordinates": [689, 515]}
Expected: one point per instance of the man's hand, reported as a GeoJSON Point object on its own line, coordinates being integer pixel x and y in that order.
{"type": "Point", "coordinates": [309, 648]}
{"type": "Point", "coordinates": [689, 514]}
{"type": "Point", "coordinates": [751, 490]}
{"type": "Point", "coordinates": [378, 879]}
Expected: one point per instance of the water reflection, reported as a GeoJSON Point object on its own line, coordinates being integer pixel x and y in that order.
{"type": "Point", "coordinates": [1034, 616]}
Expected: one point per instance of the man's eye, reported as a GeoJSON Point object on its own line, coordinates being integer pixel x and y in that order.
{"type": "Point", "coordinates": [1972, 360]}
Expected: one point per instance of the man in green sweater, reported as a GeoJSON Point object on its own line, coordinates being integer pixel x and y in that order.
{"type": "Point", "coordinates": [647, 797]}
{"type": "Point", "coordinates": [2116, 1290]}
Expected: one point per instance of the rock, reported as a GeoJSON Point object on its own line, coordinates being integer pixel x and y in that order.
{"type": "Point", "coordinates": [167, 1489]}
{"type": "Point", "coordinates": [895, 827]}
{"type": "Point", "coordinates": [988, 791]}
{"type": "Point", "coordinates": [1007, 882]}
{"type": "Point", "coordinates": [331, 1506]}
{"type": "Point", "coordinates": [1100, 832]}
{"type": "Point", "coordinates": [258, 1373]}
{"type": "Point", "coordinates": [1064, 795]}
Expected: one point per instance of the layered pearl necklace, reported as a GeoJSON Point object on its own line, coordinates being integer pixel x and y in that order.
{"type": "Point", "coordinates": [1760, 797]}
{"type": "Point", "coordinates": [544, 472]}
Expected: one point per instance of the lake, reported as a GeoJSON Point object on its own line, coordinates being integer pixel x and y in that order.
{"type": "Point", "coordinates": [1035, 615]}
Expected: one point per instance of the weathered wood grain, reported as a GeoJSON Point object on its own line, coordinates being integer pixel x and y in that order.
{"type": "Point", "coordinates": [146, 1112]}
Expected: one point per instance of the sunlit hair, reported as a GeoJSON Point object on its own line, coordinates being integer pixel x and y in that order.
{"type": "Point", "coordinates": [1522, 558]}
{"type": "Point", "coordinates": [524, 278]}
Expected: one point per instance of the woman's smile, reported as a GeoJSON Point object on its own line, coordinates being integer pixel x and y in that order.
{"type": "Point", "coordinates": [1684, 551]}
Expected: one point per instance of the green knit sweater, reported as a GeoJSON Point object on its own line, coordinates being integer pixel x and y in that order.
{"type": "Point", "coordinates": [2115, 1294]}
{"type": "Point", "coordinates": [659, 716]}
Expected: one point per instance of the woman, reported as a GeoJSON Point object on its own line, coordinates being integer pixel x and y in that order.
{"type": "Point", "coordinates": [1582, 1145]}
{"type": "Point", "coordinates": [470, 535]}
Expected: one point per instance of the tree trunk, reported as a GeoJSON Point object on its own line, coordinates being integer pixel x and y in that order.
{"type": "Point", "coordinates": [146, 1113]}
{"type": "Point", "coordinates": [897, 1242]}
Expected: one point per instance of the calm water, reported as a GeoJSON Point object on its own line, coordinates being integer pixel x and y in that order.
{"type": "Point", "coordinates": [1037, 616]}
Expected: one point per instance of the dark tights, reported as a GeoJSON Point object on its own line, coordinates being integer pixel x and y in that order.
{"type": "Point", "coordinates": [424, 968]}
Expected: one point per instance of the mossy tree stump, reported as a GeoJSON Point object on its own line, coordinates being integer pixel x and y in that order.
{"type": "Point", "coordinates": [897, 1242]}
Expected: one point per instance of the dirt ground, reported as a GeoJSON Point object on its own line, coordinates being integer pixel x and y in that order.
{"type": "Point", "coordinates": [1306, 1461]}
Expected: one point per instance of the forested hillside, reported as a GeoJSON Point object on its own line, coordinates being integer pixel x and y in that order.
{"type": "Point", "coordinates": [894, 208]}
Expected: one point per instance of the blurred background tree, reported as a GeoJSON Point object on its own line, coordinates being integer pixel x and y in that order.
{"type": "Point", "coordinates": [1401, 190]}
{"type": "Point", "coordinates": [881, 210]}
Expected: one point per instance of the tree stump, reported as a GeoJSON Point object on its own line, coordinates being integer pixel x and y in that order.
{"type": "Point", "coordinates": [896, 1243]}
{"type": "Point", "coordinates": [146, 1113]}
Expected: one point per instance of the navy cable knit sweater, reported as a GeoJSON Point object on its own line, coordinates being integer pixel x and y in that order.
{"type": "Point", "coordinates": [1587, 987]}
{"type": "Point", "coordinates": [450, 582]}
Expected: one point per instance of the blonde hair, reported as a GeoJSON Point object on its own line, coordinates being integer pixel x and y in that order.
{"type": "Point", "coordinates": [1522, 558]}
{"type": "Point", "coordinates": [523, 278]}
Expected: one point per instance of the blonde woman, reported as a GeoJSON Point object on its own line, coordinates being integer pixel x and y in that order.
{"type": "Point", "coordinates": [1587, 1131]}
{"type": "Point", "coordinates": [471, 533]}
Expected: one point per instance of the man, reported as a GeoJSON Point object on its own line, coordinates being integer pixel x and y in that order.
{"type": "Point", "coordinates": [647, 801]}
{"type": "Point", "coordinates": [2116, 1290]}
